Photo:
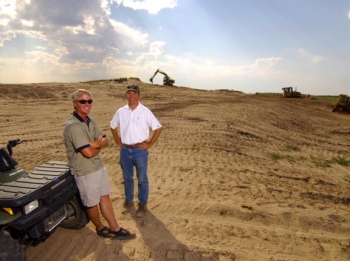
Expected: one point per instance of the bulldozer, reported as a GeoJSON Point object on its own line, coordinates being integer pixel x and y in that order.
{"type": "Point", "coordinates": [166, 80]}
{"type": "Point", "coordinates": [289, 93]}
{"type": "Point", "coordinates": [343, 104]}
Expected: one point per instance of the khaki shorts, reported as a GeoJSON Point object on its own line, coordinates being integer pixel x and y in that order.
{"type": "Point", "coordinates": [93, 186]}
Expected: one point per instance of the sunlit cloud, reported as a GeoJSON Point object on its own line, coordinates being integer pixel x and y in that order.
{"type": "Point", "coordinates": [152, 6]}
{"type": "Point", "coordinates": [27, 23]}
{"type": "Point", "coordinates": [132, 34]}
{"type": "Point", "coordinates": [8, 8]}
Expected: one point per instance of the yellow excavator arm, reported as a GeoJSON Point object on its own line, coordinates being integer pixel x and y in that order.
{"type": "Point", "coordinates": [166, 80]}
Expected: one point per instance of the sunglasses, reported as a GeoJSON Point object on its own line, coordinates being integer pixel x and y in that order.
{"type": "Point", "coordinates": [134, 87]}
{"type": "Point", "coordinates": [85, 101]}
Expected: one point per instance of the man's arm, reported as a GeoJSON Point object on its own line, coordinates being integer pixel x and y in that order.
{"type": "Point", "coordinates": [99, 143]}
{"type": "Point", "coordinates": [116, 137]}
{"type": "Point", "coordinates": [95, 146]}
{"type": "Point", "coordinates": [155, 136]}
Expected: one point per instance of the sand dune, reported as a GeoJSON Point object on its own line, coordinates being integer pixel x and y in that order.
{"type": "Point", "coordinates": [232, 177]}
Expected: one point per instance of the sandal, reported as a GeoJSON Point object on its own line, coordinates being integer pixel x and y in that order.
{"type": "Point", "coordinates": [104, 232]}
{"type": "Point", "coordinates": [121, 234]}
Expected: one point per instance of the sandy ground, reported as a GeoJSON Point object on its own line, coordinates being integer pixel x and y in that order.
{"type": "Point", "coordinates": [232, 177]}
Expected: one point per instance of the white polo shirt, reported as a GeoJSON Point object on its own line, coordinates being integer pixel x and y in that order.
{"type": "Point", "coordinates": [134, 124]}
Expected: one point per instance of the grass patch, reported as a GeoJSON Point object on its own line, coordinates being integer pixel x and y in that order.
{"type": "Point", "coordinates": [341, 132]}
{"type": "Point", "coordinates": [227, 90]}
{"type": "Point", "coordinates": [327, 98]}
{"type": "Point", "coordinates": [290, 147]}
{"type": "Point", "coordinates": [122, 79]}
{"type": "Point", "coordinates": [347, 177]}
{"type": "Point", "coordinates": [276, 156]}
{"type": "Point", "coordinates": [269, 94]}
{"type": "Point", "coordinates": [305, 143]}
{"type": "Point", "coordinates": [341, 161]}
{"type": "Point", "coordinates": [321, 162]}
{"type": "Point", "coordinates": [324, 141]}
{"type": "Point", "coordinates": [93, 81]}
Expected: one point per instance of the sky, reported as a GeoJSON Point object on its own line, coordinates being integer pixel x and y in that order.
{"type": "Point", "coordinates": [244, 45]}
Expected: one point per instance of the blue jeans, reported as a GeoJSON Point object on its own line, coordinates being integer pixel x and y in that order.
{"type": "Point", "coordinates": [130, 157]}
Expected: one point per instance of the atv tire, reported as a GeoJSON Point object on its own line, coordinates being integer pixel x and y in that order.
{"type": "Point", "coordinates": [10, 250]}
{"type": "Point", "coordinates": [79, 217]}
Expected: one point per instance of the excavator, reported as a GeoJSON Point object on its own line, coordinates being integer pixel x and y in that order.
{"type": "Point", "coordinates": [166, 80]}
{"type": "Point", "coordinates": [289, 93]}
{"type": "Point", "coordinates": [343, 104]}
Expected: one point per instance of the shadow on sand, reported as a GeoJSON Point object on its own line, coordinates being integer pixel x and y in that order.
{"type": "Point", "coordinates": [162, 245]}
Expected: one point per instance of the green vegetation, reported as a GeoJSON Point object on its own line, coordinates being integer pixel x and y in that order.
{"type": "Point", "coordinates": [321, 162]}
{"type": "Point", "coordinates": [347, 177]}
{"type": "Point", "coordinates": [290, 158]}
{"type": "Point", "coordinates": [93, 81]}
{"type": "Point", "coordinates": [324, 135]}
{"type": "Point", "coordinates": [305, 143]}
{"type": "Point", "coordinates": [318, 161]}
{"type": "Point", "coordinates": [341, 132]}
{"type": "Point", "coordinates": [328, 99]}
{"type": "Point", "coordinates": [341, 161]}
{"type": "Point", "coordinates": [123, 79]}
{"type": "Point", "coordinates": [290, 147]}
{"type": "Point", "coordinates": [276, 156]}
{"type": "Point", "coordinates": [227, 90]}
{"type": "Point", "coordinates": [269, 94]}
{"type": "Point", "coordinates": [324, 141]}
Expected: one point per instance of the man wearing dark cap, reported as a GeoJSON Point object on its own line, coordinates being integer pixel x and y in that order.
{"type": "Point", "coordinates": [134, 121]}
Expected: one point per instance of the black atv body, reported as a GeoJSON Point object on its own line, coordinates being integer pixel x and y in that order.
{"type": "Point", "coordinates": [33, 204]}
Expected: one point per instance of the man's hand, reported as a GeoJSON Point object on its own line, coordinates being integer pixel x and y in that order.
{"type": "Point", "coordinates": [100, 142]}
{"type": "Point", "coordinates": [145, 145]}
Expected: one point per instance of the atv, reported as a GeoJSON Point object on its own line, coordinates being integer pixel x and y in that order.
{"type": "Point", "coordinates": [33, 204]}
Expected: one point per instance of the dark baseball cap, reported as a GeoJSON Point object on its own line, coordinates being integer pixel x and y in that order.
{"type": "Point", "coordinates": [133, 88]}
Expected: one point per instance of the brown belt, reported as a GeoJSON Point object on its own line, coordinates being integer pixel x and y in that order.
{"type": "Point", "coordinates": [132, 146]}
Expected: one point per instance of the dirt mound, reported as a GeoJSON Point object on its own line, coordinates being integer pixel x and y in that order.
{"type": "Point", "coordinates": [232, 177]}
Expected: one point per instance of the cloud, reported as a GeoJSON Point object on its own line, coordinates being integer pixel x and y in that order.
{"type": "Point", "coordinates": [7, 9]}
{"type": "Point", "coordinates": [77, 39]}
{"type": "Point", "coordinates": [78, 31]}
{"type": "Point", "coordinates": [131, 36]}
{"type": "Point", "coordinates": [156, 49]}
{"type": "Point", "coordinates": [152, 6]}
{"type": "Point", "coordinates": [304, 55]}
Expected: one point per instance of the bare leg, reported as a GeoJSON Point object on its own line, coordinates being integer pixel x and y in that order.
{"type": "Point", "coordinates": [108, 213]}
{"type": "Point", "coordinates": [94, 216]}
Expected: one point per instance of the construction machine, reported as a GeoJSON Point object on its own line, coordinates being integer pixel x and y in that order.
{"type": "Point", "coordinates": [343, 104]}
{"type": "Point", "coordinates": [289, 93]}
{"type": "Point", "coordinates": [166, 80]}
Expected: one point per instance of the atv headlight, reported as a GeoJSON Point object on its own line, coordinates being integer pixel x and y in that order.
{"type": "Point", "coordinates": [31, 206]}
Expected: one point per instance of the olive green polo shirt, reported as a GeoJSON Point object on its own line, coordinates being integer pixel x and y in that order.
{"type": "Point", "coordinates": [77, 135]}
